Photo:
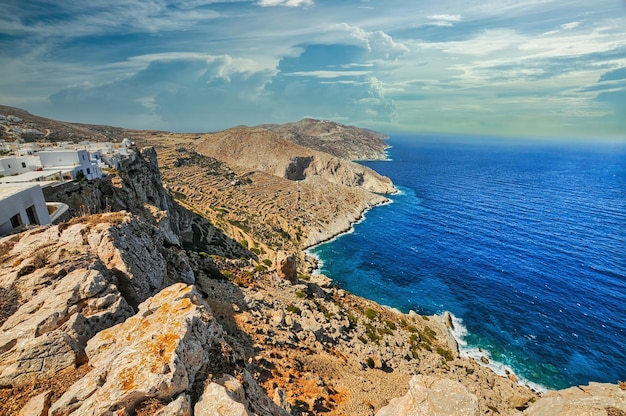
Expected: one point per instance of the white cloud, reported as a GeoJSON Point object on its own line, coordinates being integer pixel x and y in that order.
{"type": "Point", "coordinates": [378, 43]}
{"type": "Point", "coordinates": [485, 43]}
{"type": "Point", "coordinates": [570, 26]}
{"type": "Point", "coordinates": [327, 74]}
{"type": "Point", "coordinates": [285, 3]}
{"type": "Point", "coordinates": [444, 19]}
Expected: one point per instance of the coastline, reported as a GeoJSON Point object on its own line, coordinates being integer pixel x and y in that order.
{"type": "Point", "coordinates": [452, 326]}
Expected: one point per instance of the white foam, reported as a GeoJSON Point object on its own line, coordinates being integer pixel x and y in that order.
{"type": "Point", "coordinates": [460, 332]}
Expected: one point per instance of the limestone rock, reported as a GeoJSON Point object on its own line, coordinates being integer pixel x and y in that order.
{"type": "Point", "coordinates": [49, 332]}
{"type": "Point", "coordinates": [159, 352]}
{"type": "Point", "coordinates": [37, 406]}
{"type": "Point", "coordinates": [287, 267]}
{"type": "Point", "coordinates": [431, 396]}
{"type": "Point", "coordinates": [224, 397]}
{"type": "Point", "coordinates": [596, 399]}
{"type": "Point", "coordinates": [179, 407]}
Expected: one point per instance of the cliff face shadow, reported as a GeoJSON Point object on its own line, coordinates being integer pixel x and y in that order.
{"type": "Point", "coordinates": [297, 166]}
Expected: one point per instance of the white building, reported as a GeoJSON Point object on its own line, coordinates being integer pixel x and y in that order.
{"type": "Point", "coordinates": [80, 160]}
{"type": "Point", "coordinates": [21, 204]}
{"type": "Point", "coordinates": [18, 165]}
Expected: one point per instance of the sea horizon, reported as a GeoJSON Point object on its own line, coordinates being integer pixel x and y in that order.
{"type": "Point", "coordinates": [468, 214]}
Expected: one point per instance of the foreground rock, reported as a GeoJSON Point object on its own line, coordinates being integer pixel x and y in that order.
{"type": "Point", "coordinates": [595, 399]}
{"type": "Point", "coordinates": [430, 396]}
{"type": "Point", "coordinates": [162, 351]}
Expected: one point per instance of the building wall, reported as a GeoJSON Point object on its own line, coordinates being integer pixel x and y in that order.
{"type": "Point", "coordinates": [18, 204]}
{"type": "Point", "coordinates": [59, 158]}
{"type": "Point", "coordinates": [17, 165]}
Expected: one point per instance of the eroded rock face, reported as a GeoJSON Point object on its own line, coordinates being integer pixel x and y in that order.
{"type": "Point", "coordinates": [49, 332]}
{"type": "Point", "coordinates": [596, 399]}
{"type": "Point", "coordinates": [158, 353]}
{"type": "Point", "coordinates": [286, 267]}
{"type": "Point", "coordinates": [431, 396]}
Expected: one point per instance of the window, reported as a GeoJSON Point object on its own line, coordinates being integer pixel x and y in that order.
{"type": "Point", "coordinates": [16, 220]}
{"type": "Point", "coordinates": [23, 164]}
{"type": "Point", "coordinates": [88, 171]}
{"type": "Point", "coordinates": [32, 215]}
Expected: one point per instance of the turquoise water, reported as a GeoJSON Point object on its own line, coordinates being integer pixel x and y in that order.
{"type": "Point", "coordinates": [525, 244]}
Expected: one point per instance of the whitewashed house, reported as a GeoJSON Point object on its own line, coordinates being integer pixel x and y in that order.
{"type": "Point", "coordinates": [17, 165]}
{"type": "Point", "coordinates": [21, 204]}
{"type": "Point", "coordinates": [71, 160]}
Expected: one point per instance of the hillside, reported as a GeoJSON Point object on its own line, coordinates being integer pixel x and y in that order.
{"type": "Point", "coordinates": [179, 286]}
{"type": "Point", "coordinates": [345, 142]}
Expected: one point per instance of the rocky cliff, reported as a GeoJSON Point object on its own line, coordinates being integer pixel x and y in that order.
{"type": "Point", "coordinates": [260, 149]}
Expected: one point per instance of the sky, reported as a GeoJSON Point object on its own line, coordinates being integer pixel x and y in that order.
{"type": "Point", "coordinates": [507, 68]}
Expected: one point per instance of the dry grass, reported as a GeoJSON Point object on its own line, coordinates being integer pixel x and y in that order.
{"type": "Point", "coordinates": [13, 398]}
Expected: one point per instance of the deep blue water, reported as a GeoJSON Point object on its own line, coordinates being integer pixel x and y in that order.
{"type": "Point", "coordinates": [525, 243]}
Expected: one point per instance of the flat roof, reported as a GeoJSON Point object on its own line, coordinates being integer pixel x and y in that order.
{"type": "Point", "coordinates": [10, 189]}
{"type": "Point", "coordinates": [36, 174]}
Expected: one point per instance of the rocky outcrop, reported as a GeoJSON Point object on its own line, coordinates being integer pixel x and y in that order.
{"type": "Point", "coordinates": [595, 399]}
{"type": "Point", "coordinates": [259, 149]}
{"type": "Point", "coordinates": [345, 142]}
{"type": "Point", "coordinates": [161, 352]}
{"type": "Point", "coordinates": [74, 280]}
{"type": "Point", "coordinates": [137, 187]}
{"type": "Point", "coordinates": [430, 396]}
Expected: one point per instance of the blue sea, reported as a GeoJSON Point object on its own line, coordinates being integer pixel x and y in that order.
{"type": "Point", "coordinates": [523, 242]}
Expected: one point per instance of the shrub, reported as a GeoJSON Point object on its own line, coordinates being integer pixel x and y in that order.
{"type": "Point", "coordinates": [429, 333]}
{"type": "Point", "coordinates": [446, 354]}
{"type": "Point", "coordinates": [267, 262]}
{"type": "Point", "coordinates": [371, 314]}
{"type": "Point", "coordinates": [391, 325]}
{"type": "Point", "coordinates": [300, 293]}
{"type": "Point", "coordinates": [294, 309]}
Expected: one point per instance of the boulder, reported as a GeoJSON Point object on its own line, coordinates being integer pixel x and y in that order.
{"type": "Point", "coordinates": [596, 399]}
{"type": "Point", "coordinates": [158, 353]}
{"type": "Point", "coordinates": [179, 407]}
{"type": "Point", "coordinates": [286, 267]}
{"type": "Point", "coordinates": [49, 332]}
{"type": "Point", "coordinates": [432, 396]}
{"type": "Point", "coordinates": [37, 406]}
{"type": "Point", "coordinates": [224, 397]}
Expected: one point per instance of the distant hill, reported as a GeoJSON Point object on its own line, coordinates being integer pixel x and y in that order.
{"type": "Point", "coordinates": [53, 130]}
{"type": "Point", "coordinates": [346, 142]}
{"type": "Point", "coordinates": [272, 152]}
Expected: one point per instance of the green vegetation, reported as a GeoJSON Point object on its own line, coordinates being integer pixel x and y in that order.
{"type": "Point", "coordinates": [445, 353]}
{"type": "Point", "coordinates": [294, 309]}
{"type": "Point", "coordinates": [371, 314]}
{"type": "Point", "coordinates": [267, 262]}
{"type": "Point", "coordinates": [391, 325]}
{"type": "Point", "coordinates": [260, 268]}
{"type": "Point", "coordinates": [371, 333]}
{"type": "Point", "coordinates": [178, 195]}
{"type": "Point", "coordinates": [300, 293]}
{"type": "Point", "coordinates": [304, 277]}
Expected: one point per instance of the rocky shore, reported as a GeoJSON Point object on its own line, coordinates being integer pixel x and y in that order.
{"type": "Point", "coordinates": [189, 294]}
